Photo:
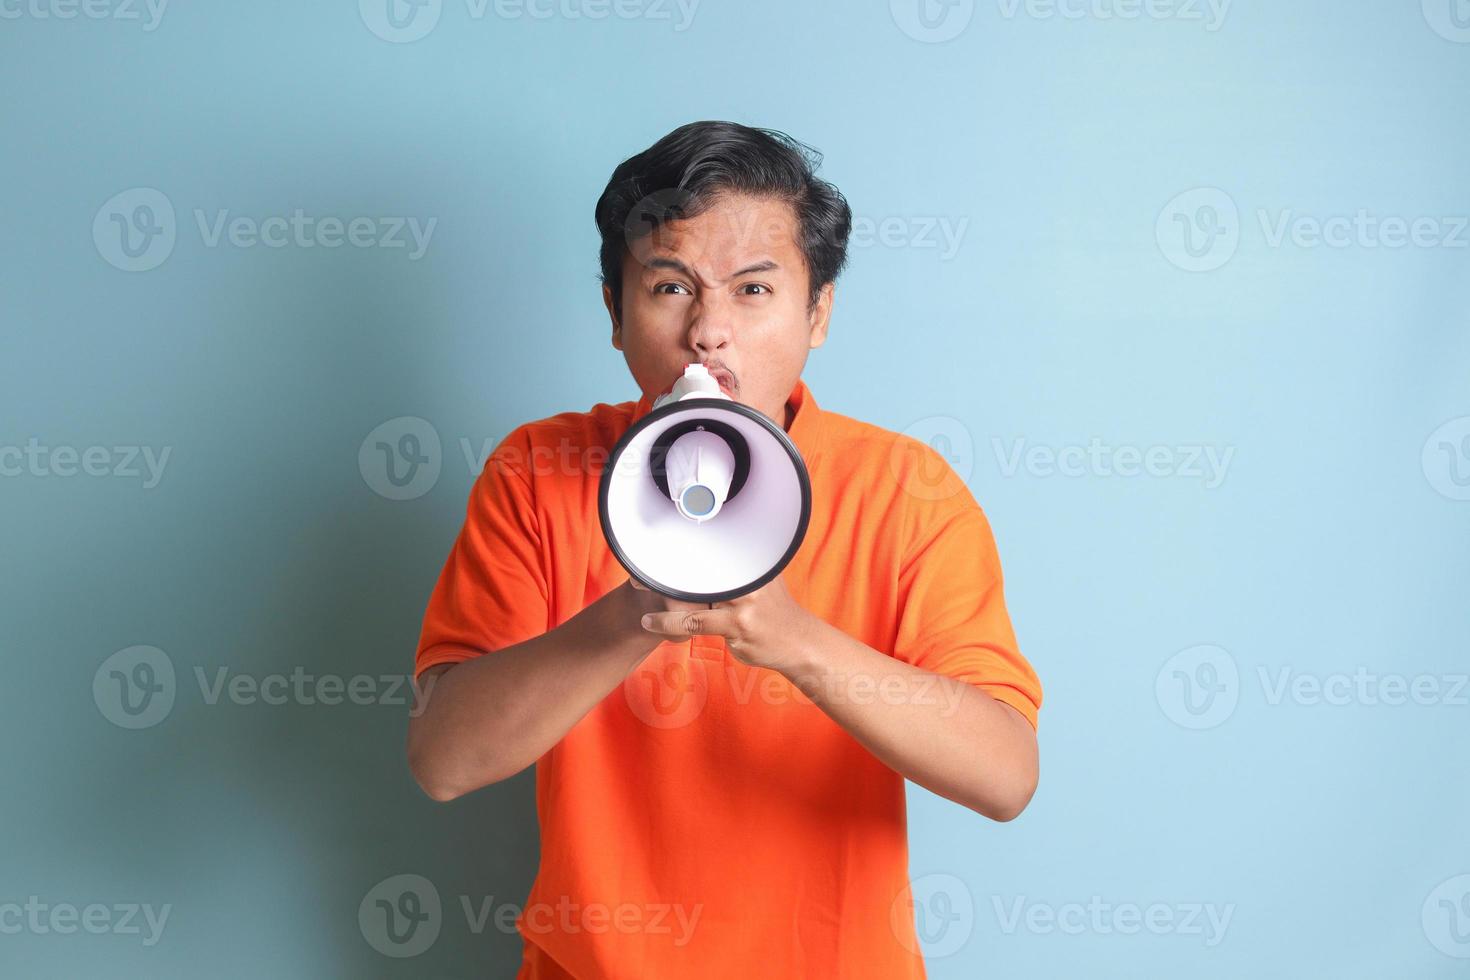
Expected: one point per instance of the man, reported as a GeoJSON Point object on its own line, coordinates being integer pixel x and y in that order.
{"type": "Point", "coordinates": [721, 789]}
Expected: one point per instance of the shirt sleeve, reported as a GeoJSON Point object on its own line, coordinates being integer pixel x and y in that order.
{"type": "Point", "coordinates": [953, 617]}
{"type": "Point", "coordinates": [492, 592]}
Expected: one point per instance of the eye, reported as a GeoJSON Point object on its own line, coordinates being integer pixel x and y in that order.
{"type": "Point", "coordinates": [667, 288]}
{"type": "Point", "coordinates": [755, 289]}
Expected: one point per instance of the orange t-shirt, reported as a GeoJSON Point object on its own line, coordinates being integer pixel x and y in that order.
{"type": "Point", "coordinates": [706, 819]}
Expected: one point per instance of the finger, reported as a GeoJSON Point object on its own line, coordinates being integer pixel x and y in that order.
{"type": "Point", "coordinates": [637, 584]}
{"type": "Point", "coordinates": [698, 621]}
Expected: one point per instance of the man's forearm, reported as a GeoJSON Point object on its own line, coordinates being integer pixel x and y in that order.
{"type": "Point", "coordinates": [948, 736]}
{"type": "Point", "coordinates": [487, 719]}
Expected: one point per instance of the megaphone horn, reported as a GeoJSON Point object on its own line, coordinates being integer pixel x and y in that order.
{"type": "Point", "coordinates": [704, 499]}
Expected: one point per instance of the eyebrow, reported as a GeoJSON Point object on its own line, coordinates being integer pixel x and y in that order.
{"type": "Point", "coordinates": [658, 262]}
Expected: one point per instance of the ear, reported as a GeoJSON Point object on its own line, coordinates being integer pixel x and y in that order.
{"type": "Point", "coordinates": [821, 315]}
{"type": "Point", "coordinates": [617, 328]}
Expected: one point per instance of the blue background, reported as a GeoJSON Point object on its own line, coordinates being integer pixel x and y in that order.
{"type": "Point", "coordinates": [1068, 312]}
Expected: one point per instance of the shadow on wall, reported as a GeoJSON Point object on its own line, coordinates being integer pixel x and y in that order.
{"type": "Point", "coordinates": [404, 886]}
{"type": "Point", "coordinates": [267, 826]}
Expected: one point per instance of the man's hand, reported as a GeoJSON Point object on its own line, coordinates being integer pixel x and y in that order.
{"type": "Point", "coordinates": [760, 628]}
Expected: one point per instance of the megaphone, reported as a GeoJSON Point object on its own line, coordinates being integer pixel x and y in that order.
{"type": "Point", "coordinates": [704, 499]}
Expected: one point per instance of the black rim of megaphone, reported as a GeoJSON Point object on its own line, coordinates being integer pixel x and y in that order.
{"type": "Point", "coordinates": [723, 404]}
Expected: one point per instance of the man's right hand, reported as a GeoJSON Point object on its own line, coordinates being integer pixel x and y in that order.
{"type": "Point", "coordinates": [645, 600]}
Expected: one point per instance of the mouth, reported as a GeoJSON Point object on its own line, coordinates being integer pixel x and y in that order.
{"type": "Point", "coordinates": [722, 376]}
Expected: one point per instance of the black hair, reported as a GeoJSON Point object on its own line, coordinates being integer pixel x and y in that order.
{"type": "Point", "coordinates": [681, 175]}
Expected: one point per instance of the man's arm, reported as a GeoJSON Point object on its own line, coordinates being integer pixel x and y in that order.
{"type": "Point", "coordinates": [946, 735]}
{"type": "Point", "coordinates": [488, 718]}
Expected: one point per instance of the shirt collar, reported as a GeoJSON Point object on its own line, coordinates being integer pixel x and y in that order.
{"type": "Point", "coordinates": [806, 424]}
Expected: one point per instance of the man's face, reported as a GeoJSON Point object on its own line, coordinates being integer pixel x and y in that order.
{"type": "Point", "coordinates": [729, 289]}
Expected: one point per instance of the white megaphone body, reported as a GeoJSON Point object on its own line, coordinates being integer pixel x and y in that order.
{"type": "Point", "coordinates": [704, 499]}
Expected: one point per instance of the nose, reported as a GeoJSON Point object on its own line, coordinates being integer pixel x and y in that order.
{"type": "Point", "coordinates": [709, 330]}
